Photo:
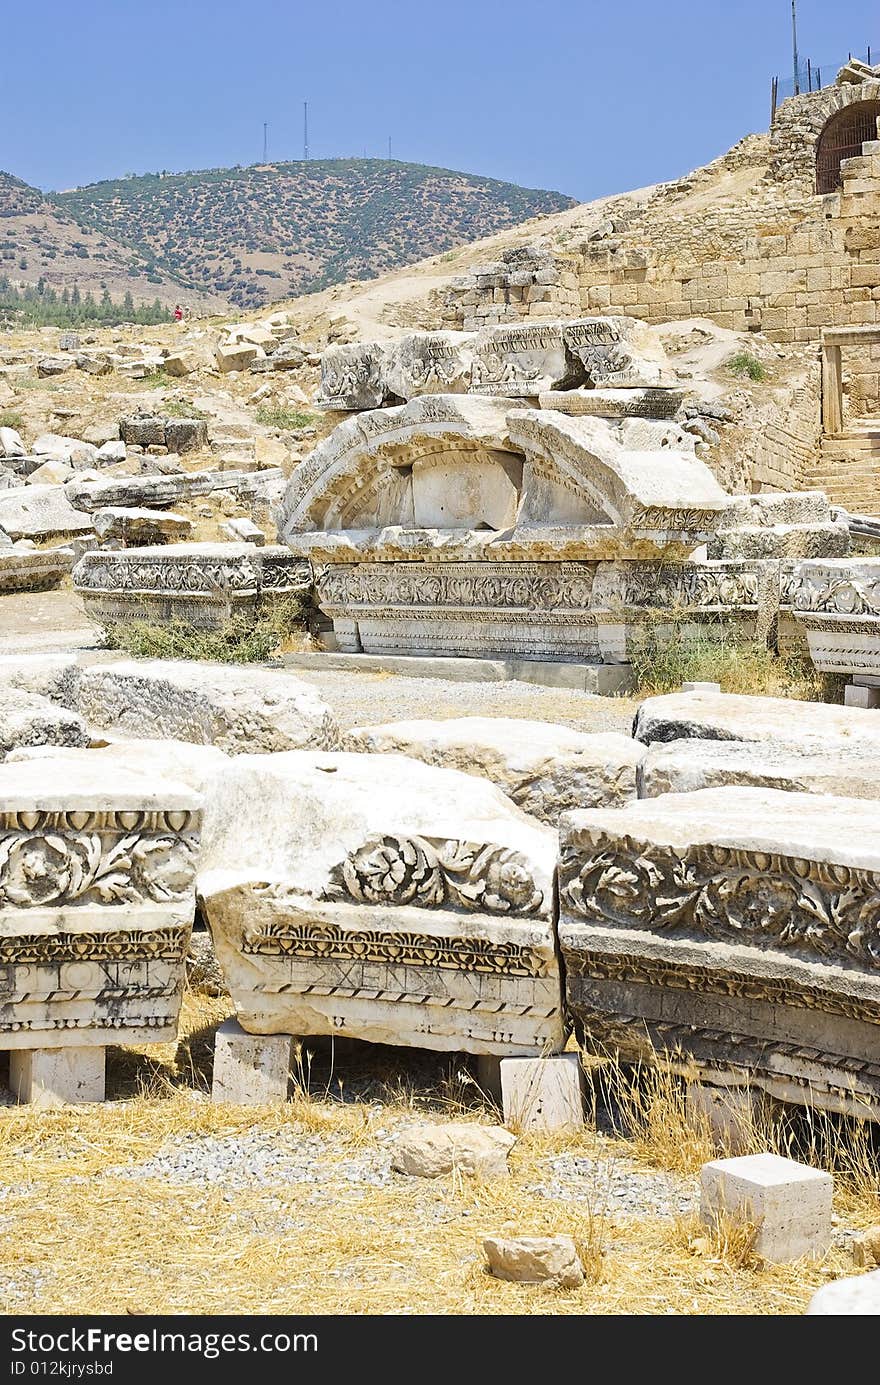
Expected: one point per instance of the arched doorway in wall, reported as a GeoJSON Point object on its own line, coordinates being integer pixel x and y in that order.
{"type": "Point", "coordinates": [842, 138]}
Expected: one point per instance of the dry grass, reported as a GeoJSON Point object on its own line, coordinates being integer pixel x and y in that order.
{"type": "Point", "coordinates": [81, 1236]}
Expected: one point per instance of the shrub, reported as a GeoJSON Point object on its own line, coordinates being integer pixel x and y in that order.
{"type": "Point", "coordinates": [239, 641]}
{"type": "Point", "coordinates": [745, 364]}
{"type": "Point", "coordinates": [10, 419]}
{"type": "Point", "coordinates": [668, 651]}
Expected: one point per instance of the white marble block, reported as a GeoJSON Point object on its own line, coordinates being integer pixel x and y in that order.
{"type": "Point", "coordinates": [97, 896]}
{"type": "Point", "coordinates": [382, 899]}
{"type": "Point", "coordinates": [543, 1093]}
{"type": "Point", "coordinates": [789, 1203]}
{"type": "Point", "coordinates": [250, 1069]}
{"type": "Point", "coordinates": [57, 1076]}
{"type": "Point", "coordinates": [858, 1294]}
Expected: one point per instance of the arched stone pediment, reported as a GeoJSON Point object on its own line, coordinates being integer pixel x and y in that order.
{"type": "Point", "coordinates": [465, 463]}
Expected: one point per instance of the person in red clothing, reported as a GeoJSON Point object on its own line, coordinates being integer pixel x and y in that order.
{"type": "Point", "coordinates": [178, 313]}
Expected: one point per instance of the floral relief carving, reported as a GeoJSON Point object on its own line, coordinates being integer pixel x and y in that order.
{"type": "Point", "coordinates": [764, 899]}
{"type": "Point", "coordinates": [45, 867]}
{"type": "Point", "coordinates": [432, 874]}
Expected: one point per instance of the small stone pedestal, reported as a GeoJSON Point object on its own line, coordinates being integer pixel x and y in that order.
{"type": "Point", "coordinates": [57, 1076]}
{"type": "Point", "coordinates": [855, 695]}
{"type": "Point", "coordinates": [789, 1203]}
{"type": "Point", "coordinates": [250, 1069]}
{"type": "Point", "coordinates": [536, 1093]}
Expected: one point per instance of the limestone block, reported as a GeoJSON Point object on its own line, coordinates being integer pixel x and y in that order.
{"type": "Point", "coordinates": [389, 901]}
{"type": "Point", "coordinates": [855, 696]}
{"type": "Point", "coordinates": [858, 1294]}
{"type": "Point", "coordinates": [185, 434]}
{"type": "Point", "coordinates": [551, 1260]}
{"type": "Point", "coordinates": [49, 1077]}
{"type": "Point", "coordinates": [180, 363]}
{"type": "Point", "coordinates": [110, 452]}
{"type": "Point", "coordinates": [11, 444]}
{"type": "Point", "coordinates": [545, 769]}
{"type": "Point", "coordinates": [789, 1203]}
{"type": "Point", "coordinates": [352, 377]}
{"type": "Point", "coordinates": [156, 492]}
{"type": "Point", "coordinates": [543, 1093]}
{"type": "Point", "coordinates": [686, 765]}
{"type": "Point", "coordinates": [57, 448]}
{"type": "Point", "coordinates": [250, 1069]}
{"type": "Point", "coordinates": [737, 717]}
{"type": "Point", "coordinates": [429, 1151]}
{"type": "Point", "coordinates": [143, 430]}
{"type": "Point", "coordinates": [97, 899]}
{"type": "Point", "coordinates": [27, 719]}
{"type": "Point", "coordinates": [734, 928]}
{"type": "Point", "coordinates": [236, 709]}
{"type": "Point", "coordinates": [521, 361]}
{"type": "Point", "coordinates": [204, 585]}
{"type": "Point", "coordinates": [428, 363]}
{"type": "Point", "coordinates": [237, 357]}
{"type": "Point", "coordinates": [134, 527]}
{"type": "Point", "coordinates": [24, 570]}
{"type": "Point", "coordinates": [53, 365]}
{"type": "Point", "coordinates": [33, 512]}
{"type": "Point", "coordinates": [866, 1247]}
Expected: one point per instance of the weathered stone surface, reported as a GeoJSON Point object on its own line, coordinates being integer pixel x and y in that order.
{"type": "Point", "coordinates": [522, 361]}
{"type": "Point", "coordinates": [858, 1294]}
{"type": "Point", "coordinates": [250, 1069]}
{"type": "Point", "coordinates": [237, 357]}
{"type": "Point", "coordinates": [543, 1093]}
{"type": "Point", "coordinates": [735, 927]}
{"type": "Point", "coordinates": [53, 1077]}
{"type": "Point", "coordinates": [39, 511]}
{"type": "Point", "coordinates": [659, 402]}
{"type": "Point", "coordinates": [204, 585]}
{"type": "Point", "coordinates": [615, 351]}
{"type": "Point", "coordinates": [788, 525]}
{"type": "Point", "coordinates": [51, 473]}
{"type": "Point", "coordinates": [685, 765]}
{"type": "Point", "coordinates": [788, 1203]}
{"type": "Point", "coordinates": [545, 769]}
{"type": "Point", "coordinates": [96, 905]}
{"type": "Point", "coordinates": [196, 766]}
{"type": "Point", "coordinates": [245, 531]}
{"type": "Point", "coordinates": [143, 430]}
{"type": "Point", "coordinates": [408, 906]}
{"type": "Point", "coordinates": [58, 448]}
{"type": "Point", "coordinates": [33, 570]}
{"type": "Point", "coordinates": [550, 1260]}
{"type": "Point", "coordinates": [837, 604]}
{"type": "Point", "coordinates": [352, 377]}
{"type": "Point", "coordinates": [27, 719]}
{"type": "Point", "coordinates": [428, 1151]}
{"type": "Point", "coordinates": [735, 717]}
{"type": "Point", "coordinates": [185, 434]}
{"type": "Point", "coordinates": [866, 1247]}
{"type": "Point", "coordinates": [134, 528]}
{"type": "Point", "coordinates": [11, 444]}
{"type": "Point", "coordinates": [54, 365]}
{"type": "Point", "coordinates": [429, 363]}
{"type": "Point", "coordinates": [237, 709]}
{"type": "Point", "coordinates": [160, 491]}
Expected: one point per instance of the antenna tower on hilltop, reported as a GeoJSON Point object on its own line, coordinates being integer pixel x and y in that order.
{"type": "Point", "coordinates": [265, 139]}
{"type": "Point", "coordinates": [305, 131]}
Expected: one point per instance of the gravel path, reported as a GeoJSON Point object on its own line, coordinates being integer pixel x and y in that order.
{"type": "Point", "coordinates": [362, 699]}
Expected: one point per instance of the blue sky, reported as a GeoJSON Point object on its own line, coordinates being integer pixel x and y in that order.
{"type": "Point", "coordinates": [587, 98]}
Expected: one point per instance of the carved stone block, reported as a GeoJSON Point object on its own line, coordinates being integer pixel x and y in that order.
{"type": "Point", "coordinates": [412, 906]}
{"type": "Point", "coordinates": [97, 895]}
{"type": "Point", "coordinates": [735, 928]}
{"type": "Point", "coordinates": [206, 585]}
{"type": "Point", "coordinates": [837, 603]}
{"type": "Point", "coordinates": [788, 1203]}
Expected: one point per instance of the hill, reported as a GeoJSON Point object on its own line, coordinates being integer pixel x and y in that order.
{"type": "Point", "coordinates": [254, 235]}
{"type": "Point", "coordinates": [42, 240]}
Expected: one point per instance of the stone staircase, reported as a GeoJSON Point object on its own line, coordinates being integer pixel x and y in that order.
{"type": "Point", "coordinates": [848, 469]}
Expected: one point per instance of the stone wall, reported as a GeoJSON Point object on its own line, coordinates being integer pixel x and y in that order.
{"type": "Point", "coordinates": [745, 241]}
